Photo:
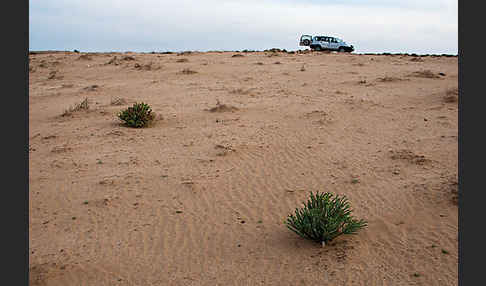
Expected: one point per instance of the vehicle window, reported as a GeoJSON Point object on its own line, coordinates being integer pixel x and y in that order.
{"type": "Point", "coordinates": [333, 40]}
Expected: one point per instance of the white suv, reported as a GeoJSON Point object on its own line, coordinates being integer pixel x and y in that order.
{"type": "Point", "coordinates": [319, 43]}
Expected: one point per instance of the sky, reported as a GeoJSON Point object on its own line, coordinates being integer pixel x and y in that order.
{"type": "Point", "coordinates": [371, 26]}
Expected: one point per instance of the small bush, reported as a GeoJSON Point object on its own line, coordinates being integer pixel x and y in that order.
{"type": "Point", "coordinates": [118, 101]}
{"type": "Point", "coordinates": [139, 115]}
{"type": "Point", "coordinates": [323, 218]}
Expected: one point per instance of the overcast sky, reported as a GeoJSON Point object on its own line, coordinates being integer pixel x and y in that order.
{"type": "Point", "coordinates": [372, 26]}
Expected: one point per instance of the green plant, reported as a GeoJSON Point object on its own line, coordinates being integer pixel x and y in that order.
{"type": "Point", "coordinates": [323, 218]}
{"type": "Point", "coordinates": [139, 115]}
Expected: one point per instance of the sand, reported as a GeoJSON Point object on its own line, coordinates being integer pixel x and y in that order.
{"type": "Point", "coordinates": [200, 197]}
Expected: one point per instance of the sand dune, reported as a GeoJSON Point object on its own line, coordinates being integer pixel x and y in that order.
{"type": "Point", "coordinates": [200, 197]}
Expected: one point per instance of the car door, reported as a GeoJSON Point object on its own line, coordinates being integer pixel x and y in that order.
{"type": "Point", "coordinates": [333, 44]}
{"type": "Point", "coordinates": [316, 41]}
{"type": "Point", "coordinates": [324, 41]}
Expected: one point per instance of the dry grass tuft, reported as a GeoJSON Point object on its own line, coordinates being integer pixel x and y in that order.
{"type": "Point", "coordinates": [85, 57]}
{"type": "Point", "coordinates": [409, 156]}
{"type": "Point", "coordinates": [93, 87]}
{"type": "Point", "coordinates": [54, 75]}
{"type": "Point", "coordinates": [223, 150]}
{"type": "Point", "coordinates": [145, 67]}
{"type": "Point", "coordinates": [416, 60]}
{"type": "Point", "coordinates": [389, 79]}
{"type": "Point", "coordinates": [82, 106]}
{"type": "Point", "coordinates": [425, 74]}
{"type": "Point", "coordinates": [128, 58]}
{"type": "Point", "coordinates": [222, 108]}
{"type": "Point", "coordinates": [242, 91]}
{"type": "Point", "coordinates": [188, 71]}
{"type": "Point", "coordinates": [113, 61]}
{"type": "Point", "coordinates": [118, 101]}
{"type": "Point", "coordinates": [455, 191]}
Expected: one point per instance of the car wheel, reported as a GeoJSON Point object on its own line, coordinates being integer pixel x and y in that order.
{"type": "Point", "coordinates": [318, 48]}
{"type": "Point", "coordinates": [341, 50]}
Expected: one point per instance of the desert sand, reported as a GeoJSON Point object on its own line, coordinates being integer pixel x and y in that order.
{"type": "Point", "coordinates": [240, 140]}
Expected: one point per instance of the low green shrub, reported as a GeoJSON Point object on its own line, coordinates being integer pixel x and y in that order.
{"type": "Point", "coordinates": [323, 218]}
{"type": "Point", "coordinates": [139, 115]}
